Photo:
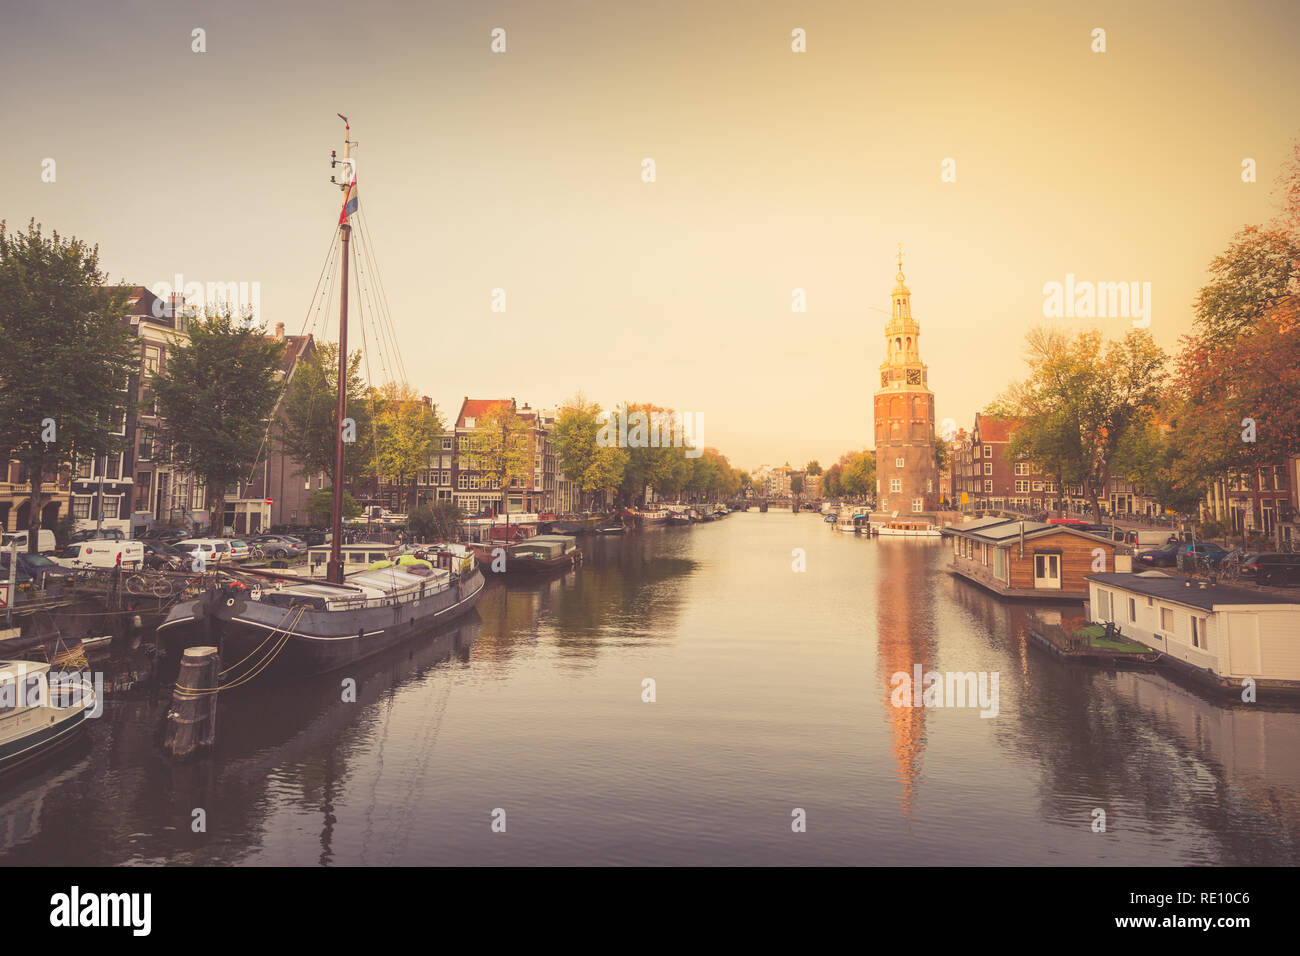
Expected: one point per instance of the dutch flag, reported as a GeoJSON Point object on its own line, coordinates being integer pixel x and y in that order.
{"type": "Point", "coordinates": [349, 202]}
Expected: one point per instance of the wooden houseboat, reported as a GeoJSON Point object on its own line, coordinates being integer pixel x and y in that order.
{"type": "Point", "coordinates": [1028, 559]}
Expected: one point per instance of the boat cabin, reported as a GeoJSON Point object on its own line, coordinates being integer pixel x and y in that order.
{"type": "Point", "coordinates": [355, 557]}
{"type": "Point", "coordinates": [1028, 559]}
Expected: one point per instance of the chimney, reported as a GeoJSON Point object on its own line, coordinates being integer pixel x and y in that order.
{"type": "Point", "coordinates": [279, 331]}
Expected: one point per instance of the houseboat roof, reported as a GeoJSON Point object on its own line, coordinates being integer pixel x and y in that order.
{"type": "Point", "coordinates": [1175, 589]}
{"type": "Point", "coordinates": [1004, 529]}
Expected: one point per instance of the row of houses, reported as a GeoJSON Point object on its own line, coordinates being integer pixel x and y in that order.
{"type": "Point", "coordinates": [139, 488]}
{"type": "Point", "coordinates": [777, 482]}
{"type": "Point", "coordinates": [981, 475]}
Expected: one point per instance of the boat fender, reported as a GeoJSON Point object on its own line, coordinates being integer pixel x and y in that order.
{"type": "Point", "coordinates": [230, 602]}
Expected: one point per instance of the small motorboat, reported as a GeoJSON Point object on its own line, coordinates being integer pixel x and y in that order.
{"type": "Point", "coordinates": [40, 710]}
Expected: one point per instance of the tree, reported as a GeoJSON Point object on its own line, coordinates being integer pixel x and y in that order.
{"type": "Point", "coordinates": [940, 454]}
{"type": "Point", "coordinates": [407, 431]}
{"type": "Point", "coordinates": [500, 446]}
{"type": "Point", "coordinates": [858, 477]}
{"type": "Point", "coordinates": [796, 485]}
{"type": "Point", "coordinates": [1080, 402]}
{"type": "Point", "coordinates": [307, 424]}
{"type": "Point", "coordinates": [440, 521]}
{"type": "Point", "coordinates": [320, 506]}
{"type": "Point", "coordinates": [593, 468]}
{"type": "Point", "coordinates": [813, 467]}
{"type": "Point", "coordinates": [215, 398]}
{"type": "Point", "coordinates": [66, 357]}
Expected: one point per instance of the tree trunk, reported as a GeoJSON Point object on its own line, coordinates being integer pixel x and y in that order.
{"type": "Point", "coordinates": [37, 469]}
{"type": "Point", "coordinates": [216, 510]}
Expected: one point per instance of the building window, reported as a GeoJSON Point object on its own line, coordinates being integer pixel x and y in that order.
{"type": "Point", "coordinates": [146, 444]}
{"type": "Point", "coordinates": [1132, 610]}
{"type": "Point", "coordinates": [152, 357]}
{"type": "Point", "coordinates": [988, 467]}
{"type": "Point", "coordinates": [895, 485]}
{"type": "Point", "coordinates": [988, 487]}
{"type": "Point", "coordinates": [1038, 486]}
{"type": "Point", "coordinates": [988, 451]}
{"type": "Point", "coordinates": [462, 481]}
{"type": "Point", "coordinates": [1166, 620]}
{"type": "Point", "coordinates": [85, 467]}
{"type": "Point", "coordinates": [81, 506]}
{"type": "Point", "coordinates": [114, 467]}
{"type": "Point", "coordinates": [898, 462]}
{"type": "Point", "coordinates": [111, 503]}
{"type": "Point", "coordinates": [1022, 468]}
{"type": "Point", "coordinates": [918, 504]}
{"type": "Point", "coordinates": [1199, 637]}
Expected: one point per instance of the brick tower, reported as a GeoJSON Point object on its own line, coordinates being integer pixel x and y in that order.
{"type": "Point", "coordinates": [907, 479]}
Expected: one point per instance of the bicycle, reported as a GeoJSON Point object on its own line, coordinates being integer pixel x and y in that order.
{"type": "Point", "coordinates": [148, 583]}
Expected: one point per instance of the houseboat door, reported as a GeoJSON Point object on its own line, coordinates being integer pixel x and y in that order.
{"type": "Point", "coordinates": [1047, 571]}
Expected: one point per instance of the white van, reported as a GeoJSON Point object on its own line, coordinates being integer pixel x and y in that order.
{"type": "Point", "coordinates": [44, 541]}
{"type": "Point", "coordinates": [101, 553]}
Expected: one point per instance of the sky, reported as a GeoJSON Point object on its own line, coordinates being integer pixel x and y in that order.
{"type": "Point", "coordinates": [774, 171]}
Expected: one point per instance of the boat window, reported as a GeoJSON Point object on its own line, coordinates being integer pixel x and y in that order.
{"type": "Point", "coordinates": [356, 557]}
{"type": "Point", "coordinates": [378, 556]}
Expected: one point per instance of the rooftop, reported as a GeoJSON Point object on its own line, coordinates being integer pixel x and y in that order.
{"type": "Point", "coordinates": [1176, 589]}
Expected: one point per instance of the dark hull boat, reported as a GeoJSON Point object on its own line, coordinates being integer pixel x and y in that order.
{"type": "Point", "coordinates": [539, 554]}
{"type": "Point", "coordinates": [311, 627]}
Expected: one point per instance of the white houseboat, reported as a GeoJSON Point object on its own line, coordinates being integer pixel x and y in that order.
{"type": "Point", "coordinates": [1218, 633]}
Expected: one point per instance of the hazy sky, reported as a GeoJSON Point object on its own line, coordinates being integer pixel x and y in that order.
{"type": "Point", "coordinates": [775, 170]}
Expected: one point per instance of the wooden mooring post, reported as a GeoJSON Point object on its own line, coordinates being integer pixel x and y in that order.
{"type": "Point", "coordinates": [192, 720]}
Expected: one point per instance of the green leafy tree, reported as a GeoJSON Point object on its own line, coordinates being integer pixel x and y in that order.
{"type": "Point", "coordinates": [1081, 400]}
{"type": "Point", "coordinates": [595, 469]}
{"type": "Point", "coordinates": [440, 521]}
{"type": "Point", "coordinates": [320, 506]}
{"type": "Point", "coordinates": [66, 357]}
{"type": "Point", "coordinates": [407, 433]}
{"type": "Point", "coordinates": [307, 423]}
{"type": "Point", "coordinates": [216, 397]}
{"type": "Point", "coordinates": [501, 447]}
{"type": "Point", "coordinates": [813, 467]}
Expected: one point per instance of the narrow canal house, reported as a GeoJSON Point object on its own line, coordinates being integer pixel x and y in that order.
{"type": "Point", "coordinates": [1028, 559]}
{"type": "Point", "coordinates": [1218, 633]}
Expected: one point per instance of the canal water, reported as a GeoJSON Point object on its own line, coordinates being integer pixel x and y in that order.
{"type": "Point", "coordinates": [772, 695]}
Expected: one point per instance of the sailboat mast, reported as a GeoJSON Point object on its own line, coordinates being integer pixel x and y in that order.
{"type": "Point", "coordinates": [334, 571]}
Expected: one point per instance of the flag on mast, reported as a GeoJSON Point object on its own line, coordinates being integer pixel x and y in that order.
{"type": "Point", "coordinates": [349, 203]}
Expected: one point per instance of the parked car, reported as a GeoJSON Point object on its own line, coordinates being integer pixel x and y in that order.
{"type": "Point", "coordinates": [314, 538]}
{"type": "Point", "coordinates": [102, 554]}
{"type": "Point", "coordinates": [239, 550]}
{"type": "Point", "coordinates": [94, 534]}
{"type": "Point", "coordinates": [1277, 570]}
{"type": "Point", "coordinates": [214, 550]}
{"type": "Point", "coordinates": [280, 546]}
{"type": "Point", "coordinates": [1213, 552]}
{"type": "Point", "coordinates": [37, 568]}
{"type": "Point", "coordinates": [167, 535]}
{"type": "Point", "coordinates": [1165, 557]}
{"type": "Point", "coordinates": [45, 543]}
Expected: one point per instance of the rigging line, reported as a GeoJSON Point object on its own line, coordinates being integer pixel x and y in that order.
{"type": "Point", "coordinates": [284, 385]}
{"type": "Point", "coordinates": [374, 412]}
{"type": "Point", "coordinates": [366, 303]}
{"type": "Point", "coordinates": [390, 357]}
{"type": "Point", "coordinates": [385, 312]}
{"type": "Point", "coordinates": [383, 290]}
